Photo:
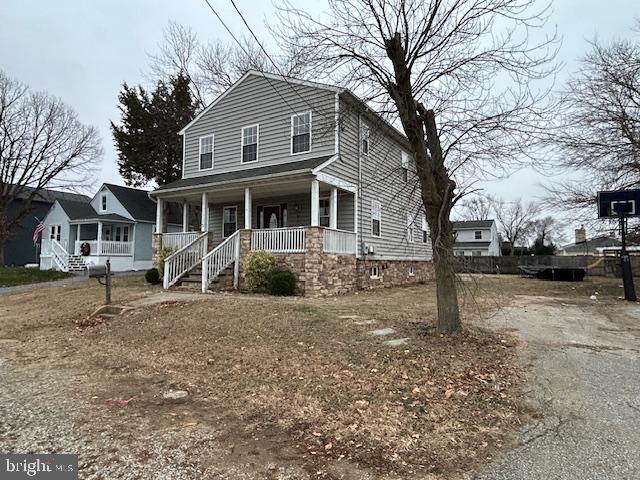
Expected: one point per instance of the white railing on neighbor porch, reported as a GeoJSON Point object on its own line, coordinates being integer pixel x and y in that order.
{"type": "Point", "coordinates": [178, 240]}
{"type": "Point", "coordinates": [107, 247]}
{"type": "Point", "coordinates": [60, 255]}
{"type": "Point", "coordinates": [218, 259]}
{"type": "Point", "coordinates": [180, 262]}
{"type": "Point", "coordinates": [341, 242]}
{"type": "Point", "coordinates": [279, 240]}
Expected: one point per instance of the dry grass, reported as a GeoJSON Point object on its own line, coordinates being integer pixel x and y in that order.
{"type": "Point", "coordinates": [307, 370]}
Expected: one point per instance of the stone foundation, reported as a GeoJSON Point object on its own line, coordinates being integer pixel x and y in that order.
{"type": "Point", "coordinates": [394, 273]}
{"type": "Point", "coordinates": [156, 246]}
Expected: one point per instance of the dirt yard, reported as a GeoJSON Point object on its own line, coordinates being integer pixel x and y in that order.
{"type": "Point", "coordinates": [278, 388]}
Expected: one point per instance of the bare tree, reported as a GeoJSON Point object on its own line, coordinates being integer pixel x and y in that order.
{"type": "Point", "coordinates": [476, 208]}
{"type": "Point", "coordinates": [599, 131]}
{"type": "Point", "coordinates": [547, 229]}
{"type": "Point", "coordinates": [516, 220]}
{"type": "Point", "coordinates": [213, 67]}
{"type": "Point", "coordinates": [458, 76]}
{"type": "Point", "coordinates": [42, 144]}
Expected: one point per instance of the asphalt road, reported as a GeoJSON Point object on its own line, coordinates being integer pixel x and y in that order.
{"type": "Point", "coordinates": [586, 367]}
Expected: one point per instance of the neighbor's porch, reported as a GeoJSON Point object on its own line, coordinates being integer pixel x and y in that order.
{"type": "Point", "coordinates": [104, 238]}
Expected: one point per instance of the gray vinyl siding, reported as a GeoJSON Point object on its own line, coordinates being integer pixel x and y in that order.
{"type": "Point", "coordinates": [142, 237]}
{"type": "Point", "coordinates": [269, 103]}
{"type": "Point", "coordinates": [381, 180]}
{"type": "Point", "coordinates": [113, 204]}
{"type": "Point", "coordinates": [346, 211]}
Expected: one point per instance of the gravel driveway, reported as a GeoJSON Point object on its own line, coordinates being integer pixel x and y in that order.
{"type": "Point", "coordinates": [586, 370]}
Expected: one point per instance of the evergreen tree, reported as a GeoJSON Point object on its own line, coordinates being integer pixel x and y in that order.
{"type": "Point", "coordinates": [147, 140]}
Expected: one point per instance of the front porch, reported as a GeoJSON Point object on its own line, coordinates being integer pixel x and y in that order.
{"type": "Point", "coordinates": [297, 219]}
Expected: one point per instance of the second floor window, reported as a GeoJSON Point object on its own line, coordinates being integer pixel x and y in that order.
{"type": "Point", "coordinates": [250, 144]}
{"type": "Point", "coordinates": [405, 167]}
{"type": "Point", "coordinates": [301, 133]}
{"type": "Point", "coordinates": [206, 152]}
{"type": "Point", "coordinates": [376, 218]}
{"type": "Point", "coordinates": [103, 203]}
{"type": "Point", "coordinates": [425, 230]}
{"type": "Point", "coordinates": [478, 235]}
{"type": "Point", "coordinates": [365, 140]}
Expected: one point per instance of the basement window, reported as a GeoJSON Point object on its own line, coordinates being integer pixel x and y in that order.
{"type": "Point", "coordinates": [374, 273]}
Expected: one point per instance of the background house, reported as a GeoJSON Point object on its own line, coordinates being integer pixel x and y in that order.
{"type": "Point", "coordinates": [116, 224]}
{"type": "Point", "coordinates": [476, 238]}
{"type": "Point", "coordinates": [20, 249]}
{"type": "Point", "coordinates": [599, 245]}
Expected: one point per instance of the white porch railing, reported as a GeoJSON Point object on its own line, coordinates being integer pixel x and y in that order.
{"type": "Point", "coordinates": [219, 259]}
{"type": "Point", "coordinates": [178, 240]}
{"type": "Point", "coordinates": [279, 240]}
{"type": "Point", "coordinates": [180, 262]}
{"type": "Point", "coordinates": [341, 242]}
{"type": "Point", "coordinates": [106, 247]}
{"type": "Point", "coordinates": [60, 255]}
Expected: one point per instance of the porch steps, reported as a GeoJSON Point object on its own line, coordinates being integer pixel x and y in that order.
{"type": "Point", "coordinates": [76, 263]}
{"type": "Point", "coordinates": [192, 281]}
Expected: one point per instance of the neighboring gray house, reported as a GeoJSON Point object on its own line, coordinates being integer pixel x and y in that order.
{"type": "Point", "coordinates": [117, 223]}
{"type": "Point", "coordinates": [476, 238]}
{"type": "Point", "coordinates": [284, 161]}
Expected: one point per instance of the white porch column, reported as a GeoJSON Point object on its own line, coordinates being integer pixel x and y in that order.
{"type": "Point", "coordinates": [333, 208]}
{"type": "Point", "coordinates": [247, 208]}
{"type": "Point", "coordinates": [76, 246]}
{"type": "Point", "coordinates": [204, 227]}
{"type": "Point", "coordinates": [185, 217]}
{"type": "Point", "coordinates": [99, 238]}
{"type": "Point", "coordinates": [315, 203]}
{"type": "Point", "coordinates": [159, 214]}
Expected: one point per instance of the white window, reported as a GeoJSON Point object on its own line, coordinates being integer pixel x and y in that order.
{"type": "Point", "coordinates": [374, 272]}
{"type": "Point", "coordinates": [478, 234]}
{"type": "Point", "coordinates": [229, 221]}
{"type": "Point", "coordinates": [54, 232]}
{"type": "Point", "coordinates": [411, 271]}
{"type": "Point", "coordinates": [376, 218]}
{"type": "Point", "coordinates": [118, 232]}
{"type": "Point", "coordinates": [409, 228]}
{"type": "Point", "coordinates": [459, 253]}
{"type": "Point", "coordinates": [405, 166]}
{"type": "Point", "coordinates": [365, 140]}
{"type": "Point", "coordinates": [324, 212]}
{"type": "Point", "coordinates": [206, 152]}
{"type": "Point", "coordinates": [125, 233]}
{"type": "Point", "coordinates": [301, 133]}
{"type": "Point", "coordinates": [476, 253]}
{"type": "Point", "coordinates": [107, 233]}
{"type": "Point", "coordinates": [250, 144]}
{"type": "Point", "coordinates": [103, 202]}
{"type": "Point", "coordinates": [425, 230]}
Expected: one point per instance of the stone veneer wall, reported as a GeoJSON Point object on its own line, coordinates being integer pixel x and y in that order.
{"type": "Point", "coordinates": [393, 273]}
{"type": "Point", "coordinates": [321, 274]}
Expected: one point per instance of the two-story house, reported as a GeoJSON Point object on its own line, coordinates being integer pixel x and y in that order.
{"type": "Point", "coordinates": [306, 171]}
{"type": "Point", "coordinates": [476, 238]}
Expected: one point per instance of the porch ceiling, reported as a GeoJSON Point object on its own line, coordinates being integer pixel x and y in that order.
{"type": "Point", "coordinates": [259, 190]}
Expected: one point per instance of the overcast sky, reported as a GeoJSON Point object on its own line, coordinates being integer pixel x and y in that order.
{"type": "Point", "coordinates": [82, 51]}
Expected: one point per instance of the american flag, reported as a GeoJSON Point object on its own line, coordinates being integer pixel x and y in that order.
{"type": "Point", "coordinates": [37, 231]}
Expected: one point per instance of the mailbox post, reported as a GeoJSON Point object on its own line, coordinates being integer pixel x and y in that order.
{"type": "Point", "coordinates": [103, 271]}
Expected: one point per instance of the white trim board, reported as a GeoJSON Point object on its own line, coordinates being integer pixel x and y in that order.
{"type": "Point", "coordinates": [336, 182]}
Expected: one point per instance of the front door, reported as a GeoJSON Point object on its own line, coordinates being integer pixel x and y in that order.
{"type": "Point", "coordinates": [271, 217]}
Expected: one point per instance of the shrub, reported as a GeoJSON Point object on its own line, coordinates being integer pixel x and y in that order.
{"type": "Point", "coordinates": [257, 266]}
{"type": "Point", "coordinates": [152, 276]}
{"type": "Point", "coordinates": [162, 255]}
{"type": "Point", "coordinates": [282, 282]}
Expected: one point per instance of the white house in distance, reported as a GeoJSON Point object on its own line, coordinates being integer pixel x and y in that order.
{"type": "Point", "coordinates": [476, 238]}
{"type": "Point", "coordinates": [116, 224]}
